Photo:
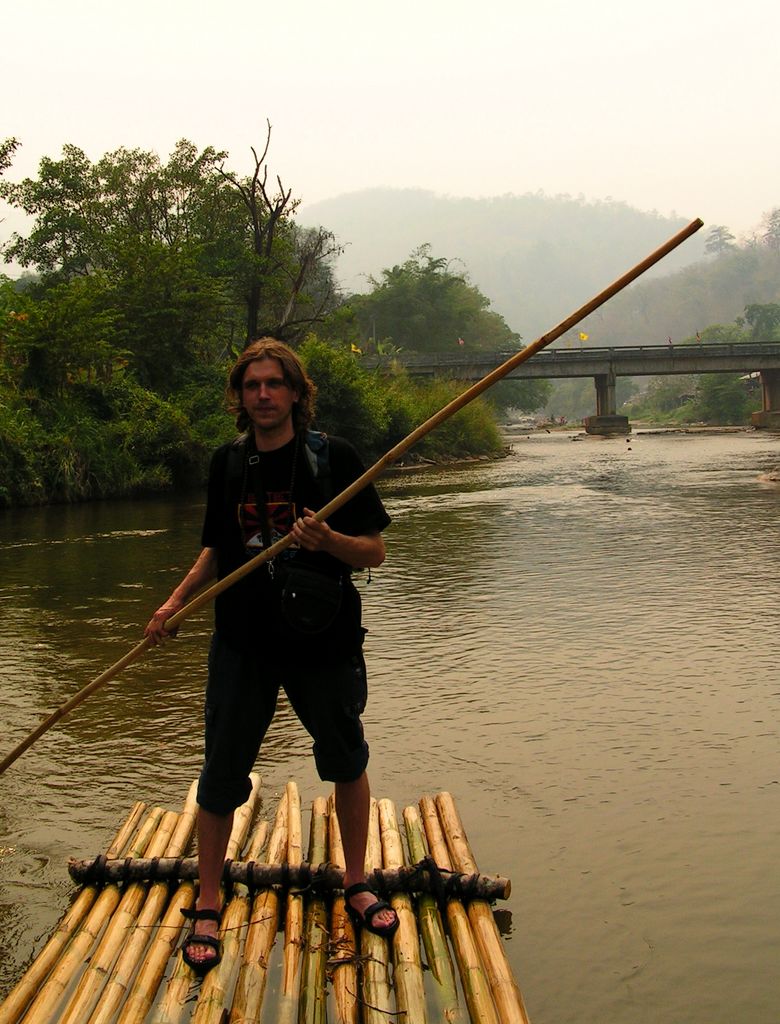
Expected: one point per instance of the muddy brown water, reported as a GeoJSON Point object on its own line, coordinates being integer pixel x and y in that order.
{"type": "Point", "coordinates": [580, 642]}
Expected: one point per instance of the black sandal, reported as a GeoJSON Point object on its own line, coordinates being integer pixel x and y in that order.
{"type": "Point", "coordinates": [366, 919]}
{"type": "Point", "coordinates": [193, 939]}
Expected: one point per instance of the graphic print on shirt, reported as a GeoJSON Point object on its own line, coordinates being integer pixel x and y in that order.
{"type": "Point", "coordinates": [281, 513]}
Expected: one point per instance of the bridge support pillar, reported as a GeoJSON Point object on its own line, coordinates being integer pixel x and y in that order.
{"type": "Point", "coordinates": [606, 421]}
{"type": "Point", "coordinates": [769, 417]}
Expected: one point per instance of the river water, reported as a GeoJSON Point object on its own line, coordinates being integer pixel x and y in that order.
{"type": "Point", "coordinates": [580, 642]}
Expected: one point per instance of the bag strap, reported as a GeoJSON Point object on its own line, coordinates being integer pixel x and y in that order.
{"type": "Point", "coordinates": [317, 448]}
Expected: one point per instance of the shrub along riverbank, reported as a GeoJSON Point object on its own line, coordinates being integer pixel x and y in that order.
{"type": "Point", "coordinates": [88, 439]}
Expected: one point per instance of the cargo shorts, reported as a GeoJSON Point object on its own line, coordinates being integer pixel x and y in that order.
{"type": "Point", "coordinates": [328, 696]}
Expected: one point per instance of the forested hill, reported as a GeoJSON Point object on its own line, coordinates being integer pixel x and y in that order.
{"type": "Point", "coordinates": [535, 257]}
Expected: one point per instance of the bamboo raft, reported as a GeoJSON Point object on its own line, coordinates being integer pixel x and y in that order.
{"type": "Point", "coordinates": [114, 957]}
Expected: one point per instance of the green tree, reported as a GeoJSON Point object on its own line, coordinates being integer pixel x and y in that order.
{"type": "Point", "coordinates": [771, 229]}
{"type": "Point", "coordinates": [423, 306]}
{"type": "Point", "coordinates": [349, 400]}
{"type": "Point", "coordinates": [7, 149]}
{"type": "Point", "coordinates": [198, 257]}
{"type": "Point", "coordinates": [722, 398]}
{"type": "Point", "coordinates": [763, 320]}
{"type": "Point", "coordinates": [722, 334]}
{"type": "Point", "coordinates": [523, 395]}
{"type": "Point", "coordinates": [719, 240]}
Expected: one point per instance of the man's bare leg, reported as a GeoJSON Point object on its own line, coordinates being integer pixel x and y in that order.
{"type": "Point", "coordinates": [353, 802]}
{"type": "Point", "coordinates": [213, 835]}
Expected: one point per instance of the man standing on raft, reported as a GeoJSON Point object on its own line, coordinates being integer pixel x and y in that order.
{"type": "Point", "coordinates": [294, 621]}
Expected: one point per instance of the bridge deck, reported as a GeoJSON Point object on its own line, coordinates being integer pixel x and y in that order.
{"type": "Point", "coordinates": [629, 361]}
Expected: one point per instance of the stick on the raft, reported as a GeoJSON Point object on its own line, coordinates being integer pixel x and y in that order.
{"type": "Point", "coordinates": [506, 994]}
{"type": "Point", "coordinates": [363, 481]}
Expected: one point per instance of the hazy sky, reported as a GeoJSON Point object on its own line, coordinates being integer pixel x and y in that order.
{"type": "Point", "coordinates": [668, 106]}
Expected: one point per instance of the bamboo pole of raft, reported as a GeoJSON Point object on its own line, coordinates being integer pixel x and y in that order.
{"type": "Point", "coordinates": [84, 997]}
{"type": "Point", "coordinates": [115, 992]}
{"type": "Point", "coordinates": [342, 963]}
{"type": "Point", "coordinates": [173, 1006]}
{"type": "Point", "coordinates": [26, 988]}
{"type": "Point", "coordinates": [407, 975]}
{"type": "Point", "coordinates": [214, 993]}
{"type": "Point", "coordinates": [164, 939]}
{"type": "Point", "coordinates": [475, 983]}
{"type": "Point", "coordinates": [263, 923]}
{"type": "Point", "coordinates": [312, 1002]}
{"type": "Point", "coordinates": [432, 929]}
{"type": "Point", "coordinates": [506, 994]}
{"type": "Point", "coordinates": [46, 1003]}
{"type": "Point", "coordinates": [370, 475]}
{"type": "Point", "coordinates": [377, 992]}
{"type": "Point", "coordinates": [293, 921]}
{"type": "Point", "coordinates": [257, 875]}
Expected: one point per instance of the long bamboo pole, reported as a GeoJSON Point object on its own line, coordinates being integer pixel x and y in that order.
{"type": "Point", "coordinates": [264, 920]}
{"type": "Point", "coordinates": [507, 996]}
{"type": "Point", "coordinates": [44, 1006]}
{"type": "Point", "coordinates": [375, 960]}
{"type": "Point", "coordinates": [407, 973]}
{"type": "Point", "coordinates": [371, 474]}
{"type": "Point", "coordinates": [173, 1006]}
{"type": "Point", "coordinates": [437, 952]}
{"type": "Point", "coordinates": [475, 983]}
{"type": "Point", "coordinates": [215, 991]}
{"type": "Point", "coordinates": [87, 992]}
{"type": "Point", "coordinates": [293, 921]}
{"type": "Point", "coordinates": [115, 992]}
{"type": "Point", "coordinates": [312, 1002]}
{"type": "Point", "coordinates": [342, 963]}
{"type": "Point", "coordinates": [26, 988]}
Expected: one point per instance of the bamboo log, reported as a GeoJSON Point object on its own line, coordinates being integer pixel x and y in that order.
{"type": "Point", "coordinates": [218, 984]}
{"type": "Point", "coordinates": [162, 947]}
{"type": "Point", "coordinates": [342, 962]}
{"type": "Point", "coordinates": [395, 453]}
{"type": "Point", "coordinates": [118, 985]}
{"type": "Point", "coordinates": [84, 998]}
{"type": "Point", "coordinates": [375, 985]}
{"type": "Point", "coordinates": [407, 975]}
{"type": "Point", "coordinates": [45, 1005]}
{"type": "Point", "coordinates": [476, 987]}
{"type": "Point", "coordinates": [264, 920]}
{"type": "Point", "coordinates": [121, 842]}
{"type": "Point", "coordinates": [406, 878]}
{"type": "Point", "coordinates": [432, 930]}
{"type": "Point", "coordinates": [312, 1001]}
{"type": "Point", "coordinates": [509, 1001]}
{"type": "Point", "coordinates": [25, 989]}
{"type": "Point", "coordinates": [293, 922]}
{"type": "Point", "coordinates": [174, 1003]}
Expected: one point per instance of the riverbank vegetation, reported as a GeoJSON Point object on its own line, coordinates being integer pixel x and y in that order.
{"type": "Point", "coordinates": [145, 280]}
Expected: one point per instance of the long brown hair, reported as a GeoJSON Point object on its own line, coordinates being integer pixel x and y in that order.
{"type": "Point", "coordinates": [295, 377]}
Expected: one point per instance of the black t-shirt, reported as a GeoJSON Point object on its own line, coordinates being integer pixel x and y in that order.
{"type": "Point", "coordinates": [248, 612]}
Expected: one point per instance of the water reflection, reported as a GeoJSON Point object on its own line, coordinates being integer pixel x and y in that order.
{"type": "Point", "coordinates": [576, 641]}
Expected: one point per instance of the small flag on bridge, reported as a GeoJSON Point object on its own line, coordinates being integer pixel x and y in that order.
{"type": "Point", "coordinates": [584, 336]}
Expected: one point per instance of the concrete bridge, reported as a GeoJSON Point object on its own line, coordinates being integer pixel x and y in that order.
{"type": "Point", "coordinates": [604, 365]}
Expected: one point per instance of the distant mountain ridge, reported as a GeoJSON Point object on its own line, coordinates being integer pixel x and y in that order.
{"type": "Point", "coordinates": [536, 257]}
